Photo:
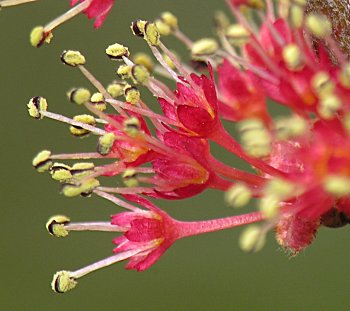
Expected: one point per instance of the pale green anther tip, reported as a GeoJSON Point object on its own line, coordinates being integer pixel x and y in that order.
{"type": "Point", "coordinates": [292, 56]}
{"type": "Point", "coordinates": [238, 195]}
{"type": "Point", "coordinates": [38, 36]}
{"type": "Point", "coordinates": [60, 172]}
{"type": "Point", "coordinates": [83, 118]}
{"type": "Point", "coordinates": [116, 89]}
{"type": "Point", "coordinates": [318, 25]}
{"type": "Point", "coordinates": [129, 178]}
{"type": "Point", "coordinates": [63, 282]}
{"type": "Point", "coordinates": [124, 71]}
{"type": "Point", "coordinates": [132, 95]}
{"type": "Point", "coordinates": [73, 58]}
{"type": "Point", "coordinates": [84, 189]}
{"type": "Point", "coordinates": [132, 126]}
{"type": "Point", "coordinates": [163, 28]}
{"type": "Point", "coordinates": [98, 101]}
{"type": "Point", "coordinates": [105, 143]}
{"type": "Point", "coordinates": [152, 35]}
{"type": "Point", "coordinates": [36, 106]}
{"type": "Point", "coordinates": [42, 161]}
{"type": "Point", "coordinates": [144, 60]}
{"type": "Point", "coordinates": [117, 51]}
{"type": "Point", "coordinates": [56, 225]}
{"type": "Point", "coordinates": [79, 96]}
{"type": "Point", "coordinates": [83, 169]}
{"type": "Point", "coordinates": [169, 19]}
{"type": "Point", "coordinates": [269, 206]}
{"type": "Point", "coordinates": [204, 47]}
{"type": "Point", "coordinates": [252, 239]}
{"type": "Point", "coordinates": [337, 185]}
{"type": "Point", "coordinates": [237, 34]}
{"type": "Point", "coordinates": [140, 74]}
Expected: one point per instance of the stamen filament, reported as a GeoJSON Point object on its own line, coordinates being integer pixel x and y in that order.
{"type": "Point", "coordinates": [115, 200]}
{"type": "Point", "coordinates": [94, 226]}
{"type": "Point", "coordinates": [7, 3]}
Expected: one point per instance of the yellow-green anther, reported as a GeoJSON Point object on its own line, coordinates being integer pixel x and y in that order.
{"type": "Point", "coordinates": [256, 4]}
{"type": "Point", "coordinates": [168, 61]}
{"type": "Point", "coordinates": [152, 34]}
{"type": "Point", "coordinates": [344, 76]}
{"type": "Point", "coordinates": [163, 28]}
{"type": "Point", "coordinates": [292, 56]}
{"type": "Point", "coordinates": [124, 71]}
{"type": "Point", "coordinates": [37, 105]}
{"type": "Point", "coordinates": [130, 178]}
{"type": "Point", "coordinates": [204, 47]}
{"type": "Point", "coordinates": [42, 161]}
{"type": "Point", "coordinates": [73, 58]}
{"type": "Point", "coordinates": [238, 195]}
{"type": "Point", "coordinates": [139, 74]}
{"type": "Point", "coordinates": [322, 84]}
{"type": "Point", "coordinates": [255, 138]}
{"type": "Point", "coordinates": [60, 172]}
{"type": "Point", "coordinates": [117, 51]}
{"type": "Point", "coordinates": [143, 59]}
{"type": "Point", "coordinates": [169, 19]}
{"type": "Point", "coordinates": [279, 188]}
{"type": "Point", "coordinates": [296, 16]}
{"type": "Point", "coordinates": [138, 27]}
{"type": "Point", "coordinates": [337, 185]}
{"type": "Point", "coordinates": [221, 21]}
{"type": "Point", "coordinates": [56, 226]}
{"type": "Point", "coordinates": [38, 36]}
{"type": "Point", "coordinates": [79, 95]}
{"type": "Point", "coordinates": [82, 169]}
{"type": "Point", "coordinates": [116, 89]}
{"type": "Point", "coordinates": [237, 34]}
{"type": "Point", "coordinates": [290, 127]}
{"type": "Point", "coordinates": [83, 118]}
{"type": "Point", "coordinates": [252, 239]}
{"type": "Point", "coordinates": [329, 106]}
{"type": "Point", "coordinates": [269, 205]}
{"type": "Point", "coordinates": [105, 143]}
{"type": "Point", "coordinates": [346, 122]}
{"type": "Point", "coordinates": [98, 101]}
{"type": "Point", "coordinates": [84, 189]}
{"type": "Point", "coordinates": [132, 126]}
{"type": "Point", "coordinates": [132, 95]}
{"type": "Point", "coordinates": [62, 282]}
{"type": "Point", "coordinates": [318, 25]}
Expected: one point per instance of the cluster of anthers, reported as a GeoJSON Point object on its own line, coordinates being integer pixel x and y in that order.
{"type": "Point", "coordinates": [301, 160]}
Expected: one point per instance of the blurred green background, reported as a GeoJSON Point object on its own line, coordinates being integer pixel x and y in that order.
{"type": "Point", "coordinates": [202, 273]}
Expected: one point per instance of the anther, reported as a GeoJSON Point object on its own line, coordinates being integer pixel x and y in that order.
{"type": "Point", "coordinates": [328, 106]}
{"type": "Point", "coordinates": [42, 161]}
{"type": "Point", "coordinates": [37, 105]}
{"type": "Point", "coordinates": [130, 178]}
{"type": "Point", "coordinates": [60, 172]}
{"type": "Point", "coordinates": [169, 19]}
{"type": "Point", "coordinates": [163, 28]}
{"type": "Point", "coordinates": [204, 47]}
{"type": "Point", "coordinates": [117, 51]}
{"type": "Point", "coordinates": [269, 205]}
{"type": "Point", "coordinates": [292, 56]}
{"type": "Point", "coordinates": [38, 36]}
{"type": "Point", "coordinates": [290, 127]}
{"type": "Point", "coordinates": [105, 143]}
{"type": "Point", "coordinates": [132, 94]}
{"type": "Point", "coordinates": [79, 95]}
{"type": "Point", "coordinates": [322, 84]}
{"type": "Point", "coordinates": [139, 74]}
{"type": "Point", "coordinates": [56, 225]}
{"type": "Point", "coordinates": [238, 195]}
{"type": "Point", "coordinates": [84, 189]}
{"type": "Point", "coordinates": [318, 25]}
{"type": "Point", "coordinates": [252, 239]}
{"type": "Point", "coordinates": [237, 34]}
{"type": "Point", "coordinates": [63, 282]}
{"type": "Point", "coordinates": [124, 71]}
{"type": "Point", "coordinates": [337, 185]}
{"type": "Point", "coordinates": [79, 131]}
{"type": "Point", "coordinates": [82, 169]}
{"type": "Point", "coordinates": [221, 21]}
{"type": "Point", "coordinates": [73, 58]}
{"type": "Point", "coordinates": [138, 27]}
{"type": "Point", "coordinates": [98, 101]}
{"type": "Point", "coordinates": [116, 89]}
{"type": "Point", "coordinates": [143, 59]}
{"type": "Point", "coordinates": [296, 16]}
{"type": "Point", "coordinates": [132, 126]}
{"type": "Point", "coordinates": [152, 34]}
{"type": "Point", "coordinates": [344, 76]}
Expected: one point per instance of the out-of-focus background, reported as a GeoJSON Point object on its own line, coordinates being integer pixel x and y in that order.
{"type": "Point", "coordinates": [208, 272]}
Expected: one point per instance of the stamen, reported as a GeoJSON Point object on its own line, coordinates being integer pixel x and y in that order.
{"type": "Point", "coordinates": [115, 200]}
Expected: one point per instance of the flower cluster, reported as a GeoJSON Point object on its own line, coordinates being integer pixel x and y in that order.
{"type": "Point", "coordinates": [278, 55]}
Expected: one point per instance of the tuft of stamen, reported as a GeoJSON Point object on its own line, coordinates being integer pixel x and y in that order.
{"type": "Point", "coordinates": [56, 225]}
{"type": "Point", "coordinates": [73, 58]}
{"type": "Point", "coordinates": [63, 282]}
{"type": "Point", "coordinates": [42, 161]}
